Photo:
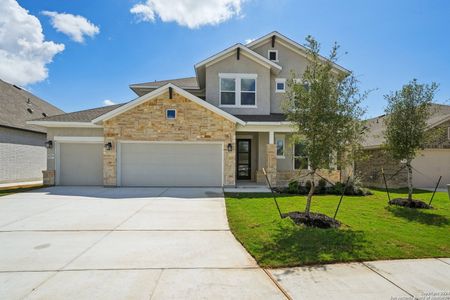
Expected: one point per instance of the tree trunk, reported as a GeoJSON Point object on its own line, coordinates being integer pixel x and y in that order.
{"type": "Point", "coordinates": [310, 194]}
{"type": "Point", "coordinates": [410, 186]}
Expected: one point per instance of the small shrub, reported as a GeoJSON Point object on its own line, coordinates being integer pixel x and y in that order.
{"type": "Point", "coordinates": [322, 186]}
{"type": "Point", "coordinates": [293, 187]}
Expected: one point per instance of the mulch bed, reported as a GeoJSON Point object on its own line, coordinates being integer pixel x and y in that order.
{"type": "Point", "coordinates": [411, 204]}
{"type": "Point", "coordinates": [312, 220]}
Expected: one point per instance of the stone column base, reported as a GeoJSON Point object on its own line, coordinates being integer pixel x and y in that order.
{"type": "Point", "coordinates": [48, 177]}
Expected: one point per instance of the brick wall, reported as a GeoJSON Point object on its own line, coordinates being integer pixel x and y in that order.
{"type": "Point", "coordinates": [22, 155]}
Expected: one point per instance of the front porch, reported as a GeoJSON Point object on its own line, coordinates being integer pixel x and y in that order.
{"type": "Point", "coordinates": [269, 146]}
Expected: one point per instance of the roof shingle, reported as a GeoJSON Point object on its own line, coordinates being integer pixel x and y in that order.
{"type": "Point", "coordinates": [17, 106]}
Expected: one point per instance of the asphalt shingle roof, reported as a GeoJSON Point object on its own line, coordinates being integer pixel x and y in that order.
{"type": "Point", "coordinates": [17, 106]}
{"type": "Point", "coordinates": [375, 126]}
{"type": "Point", "coordinates": [81, 116]}
{"type": "Point", "coordinates": [187, 83]}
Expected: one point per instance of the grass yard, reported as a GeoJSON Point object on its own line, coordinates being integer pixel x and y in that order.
{"type": "Point", "coordinates": [372, 229]}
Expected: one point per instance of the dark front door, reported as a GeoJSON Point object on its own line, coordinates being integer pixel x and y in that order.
{"type": "Point", "coordinates": [243, 159]}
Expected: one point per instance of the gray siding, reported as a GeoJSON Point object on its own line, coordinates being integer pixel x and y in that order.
{"type": "Point", "coordinates": [243, 65]}
{"type": "Point", "coordinates": [52, 132]}
{"type": "Point", "coordinates": [289, 61]}
{"type": "Point", "coordinates": [22, 155]}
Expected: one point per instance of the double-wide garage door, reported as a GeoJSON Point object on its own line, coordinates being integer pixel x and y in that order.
{"type": "Point", "coordinates": [170, 164]}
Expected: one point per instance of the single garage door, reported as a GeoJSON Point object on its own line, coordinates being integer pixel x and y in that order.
{"type": "Point", "coordinates": [80, 164]}
{"type": "Point", "coordinates": [431, 164]}
{"type": "Point", "coordinates": [172, 164]}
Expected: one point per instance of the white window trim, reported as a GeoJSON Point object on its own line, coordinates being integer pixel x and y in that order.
{"type": "Point", "coordinates": [293, 160]}
{"type": "Point", "coordinates": [167, 110]}
{"type": "Point", "coordinates": [276, 53]}
{"type": "Point", "coordinates": [280, 137]}
{"type": "Point", "coordinates": [280, 80]}
{"type": "Point", "coordinates": [237, 77]}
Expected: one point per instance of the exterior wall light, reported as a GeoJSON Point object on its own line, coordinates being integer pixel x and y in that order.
{"type": "Point", "coordinates": [49, 144]}
{"type": "Point", "coordinates": [230, 147]}
{"type": "Point", "coordinates": [108, 146]}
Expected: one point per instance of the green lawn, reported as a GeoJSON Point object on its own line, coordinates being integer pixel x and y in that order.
{"type": "Point", "coordinates": [372, 230]}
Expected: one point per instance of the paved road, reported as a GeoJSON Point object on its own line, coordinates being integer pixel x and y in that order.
{"type": "Point", "coordinates": [124, 243]}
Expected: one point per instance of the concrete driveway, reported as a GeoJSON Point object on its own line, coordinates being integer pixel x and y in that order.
{"type": "Point", "coordinates": [124, 243]}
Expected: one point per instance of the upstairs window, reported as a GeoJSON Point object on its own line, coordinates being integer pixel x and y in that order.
{"type": "Point", "coordinates": [272, 55]}
{"type": "Point", "coordinates": [280, 85]}
{"type": "Point", "coordinates": [238, 90]}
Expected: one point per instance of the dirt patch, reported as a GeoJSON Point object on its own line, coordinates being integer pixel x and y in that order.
{"type": "Point", "coordinates": [312, 220]}
{"type": "Point", "coordinates": [411, 204]}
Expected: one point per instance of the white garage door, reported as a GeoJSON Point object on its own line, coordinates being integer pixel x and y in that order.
{"type": "Point", "coordinates": [80, 164]}
{"type": "Point", "coordinates": [431, 164]}
{"type": "Point", "coordinates": [172, 164]}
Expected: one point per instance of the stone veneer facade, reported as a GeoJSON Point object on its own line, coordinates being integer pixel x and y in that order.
{"type": "Point", "coordinates": [147, 122]}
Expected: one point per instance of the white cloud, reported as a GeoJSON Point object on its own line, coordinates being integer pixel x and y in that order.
{"type": "Point", "coordinates": [248, 41]}
{"type": "Point", "coordinates": [24, 53]}
{"type": "Point", "coordinates": [190, 13]}
{"type": "Point", "coordinates": [108, 102]}
{"type": "Point", "coordinates": [76, 27]}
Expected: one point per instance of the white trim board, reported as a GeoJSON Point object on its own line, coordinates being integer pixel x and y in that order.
{"type": "Point", "coordinates": [79, 139]}
{"type": "Point", "coordinates": [64, 124]}
{"type": "Point", "coordinates": [161, 91]}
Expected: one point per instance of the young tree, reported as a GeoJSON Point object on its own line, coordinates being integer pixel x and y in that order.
{"type": "Point", "coordinates": [324, 105]}
{"type": "Point", "coordinates": [407, 113]}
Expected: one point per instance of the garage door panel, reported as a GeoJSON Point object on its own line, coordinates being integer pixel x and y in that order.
{"type": "Point", "coordinates": [429, 165]}
{"type": "Point", "coordinates": [81, 164]}
{"type": "Point", "coordinates": [144, 164]}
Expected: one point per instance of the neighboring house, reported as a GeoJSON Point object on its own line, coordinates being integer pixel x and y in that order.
{"type": "Point", "coordinates": [215, 129]}
{"type": "Point", "coordinates": [430, 163]}
{"type": "Point", "coordinates": [23, 156]}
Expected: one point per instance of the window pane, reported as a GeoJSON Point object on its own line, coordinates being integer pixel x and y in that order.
{"type": "Point", "coordinates": [171, 113]}
{"type": "Point", "coordinates": [300, 163]}
{"type": "Point", "coordinates": [272, 55]}
{"type": "Point", "coordinates": [228, 84]}
{"type": "Point", "coordinates": [248, 98]}
{"type": "Point", "coordinates": [299, 149]}
{"type": "Point", "coordinates": [248, 85]}
{"type": "Point", "coordinates": [280, 148]}
{"type": "Point", "coordinates": [280, 86]}
{"type": "Point", "coordinates": [228, 98]}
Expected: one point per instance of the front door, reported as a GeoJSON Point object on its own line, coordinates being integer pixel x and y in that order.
{"type": "Point", "coordinates": [243, 159]}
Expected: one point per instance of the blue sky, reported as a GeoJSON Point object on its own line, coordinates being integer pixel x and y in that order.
{"type": "Point", "coordinates": [388, 43]}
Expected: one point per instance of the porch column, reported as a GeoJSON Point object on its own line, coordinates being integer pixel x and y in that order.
{"type": "Point", "coordinates": [271, 159]}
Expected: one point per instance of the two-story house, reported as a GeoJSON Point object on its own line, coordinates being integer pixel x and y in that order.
{"type": "Point", "coordinates": [215, 129]}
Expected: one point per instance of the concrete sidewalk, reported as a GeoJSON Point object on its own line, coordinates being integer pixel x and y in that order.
{"type": "Point", "coordinates": [390, 279]}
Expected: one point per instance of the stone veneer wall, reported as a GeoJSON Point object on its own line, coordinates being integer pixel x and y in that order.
{"type": "Point", "coordinates": [147, 122]}
{"type": "Point", "coordinates": [369, 170]}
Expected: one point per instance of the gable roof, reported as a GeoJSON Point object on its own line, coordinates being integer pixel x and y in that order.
{"type": "Point", "coordinates": [16, 104]}
{"type": "Point", "coordinates": [159, 92]}
{"type": "Point", "coordinates": [188, 83]}
{"type": "Point", "coordinates": [200, 67]}
{"type": "Point", "coordinates": [375, 126]}
{"type": "Point", "coordinates": [293, 45]}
